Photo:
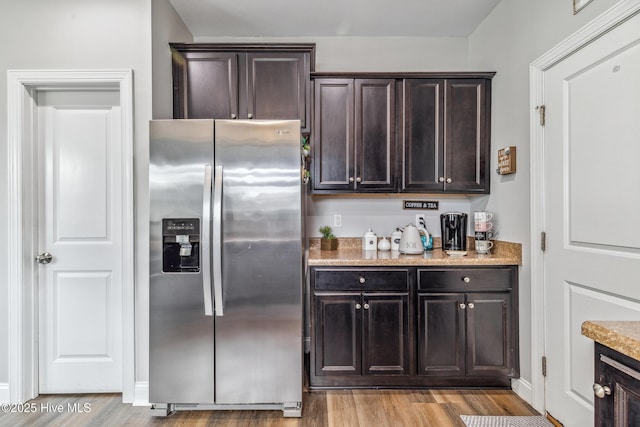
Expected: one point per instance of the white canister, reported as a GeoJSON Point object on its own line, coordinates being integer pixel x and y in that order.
{"type": "Point", "coordinates": [395, 240]}
{"type": "Point", "coordinates": [370, 241]}
{"type": "Point", "coordinates": [384, 244]}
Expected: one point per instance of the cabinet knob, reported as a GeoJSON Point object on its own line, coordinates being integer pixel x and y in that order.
{"type": "Point", "coordinates": [441, 179]}
{"type": "Point", "coordinates": [470, 305]}
{"type": "Point", "coordinates": [358, 179]}
{"type": "Point", "coordinates": [350, 179]}
{"type": "Point", "coordinates": [233, 116]}
{"type": "Point", "coordinates": [448, 180]}
{"type": "Point", "coordinates": [358, 306]}
{"type": "Point", "coordinates": [601, 391]}
{"type": "Point", "coordinates": [462, 306]}
{"type": "Point", "coordinates": [465, 279]}
{"type": "Point", "coordinates": [250, 116]}
{"type": "Point", "coordinates": [362, 279]}
{"type": "Point", "coordinates": [366, 306]}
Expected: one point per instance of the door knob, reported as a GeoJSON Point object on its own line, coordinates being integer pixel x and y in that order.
{"type": "Point", "coordinates": [601, 391]}
{"type": "Point", "coordinates": [44, 258]}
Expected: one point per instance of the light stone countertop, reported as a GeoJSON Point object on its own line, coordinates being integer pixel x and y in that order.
{"type": "Point", "coordinates": [350, 253]}
{"type": "Point", "coordinates": [621, 336]}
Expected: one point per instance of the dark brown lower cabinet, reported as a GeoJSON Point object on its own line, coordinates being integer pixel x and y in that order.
{"type": "Point", "coordinates": [465, 334]}
{"type": "Point", "coordinates": [361, 334]}
{"type": "Point", "coordinates": [616, 389]}
{"type": "Point", "coordinates": [413, 327]}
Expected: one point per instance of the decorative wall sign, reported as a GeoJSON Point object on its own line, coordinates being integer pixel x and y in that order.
{"type": "Point", "coordinates": [420, 204]}
{"type": "Point", "coordinates": [507, 160]}
{"type": "Point", "coordinates": [579, 4]}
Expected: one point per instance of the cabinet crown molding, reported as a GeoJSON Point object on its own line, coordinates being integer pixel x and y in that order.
{"type": "Point", "coordinates": [407, 75]}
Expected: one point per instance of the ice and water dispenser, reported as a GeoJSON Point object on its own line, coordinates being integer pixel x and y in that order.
{"type": "Point", "coordinates": [180, 245]}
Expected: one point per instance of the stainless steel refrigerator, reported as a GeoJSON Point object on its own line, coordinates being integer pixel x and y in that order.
{"type": "Point", "coordinates": [226, 256]}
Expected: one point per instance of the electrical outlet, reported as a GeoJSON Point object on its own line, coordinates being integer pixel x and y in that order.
{"type": "Point", "coordinates": [337, 220]}
{"type": "Point", "coordinates": [421, 221]}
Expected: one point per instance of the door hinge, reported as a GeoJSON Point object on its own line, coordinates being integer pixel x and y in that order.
{"type": "Point", "coordinates": [541, 111]}
{"type": "Point", "coordinates": [543, 241]}
{"type": "Point", "coordinates": [544, 366]}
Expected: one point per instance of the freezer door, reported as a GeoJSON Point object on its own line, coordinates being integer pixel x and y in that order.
{"type": "Point", "coordinates": [259, 336]}
{"type": "Point", "coordinates": [181, 346]}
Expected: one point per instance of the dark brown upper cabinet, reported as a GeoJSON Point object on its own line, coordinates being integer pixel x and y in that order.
{"type": "Point", "coordinates": [446, 135]}
{"type": "Point", "coordinates": [353, 135]}
{"type": "Point", "coordinates": [239, 81]}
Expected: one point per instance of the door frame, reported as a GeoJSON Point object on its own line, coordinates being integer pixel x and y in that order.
{"type": "Point", "coordinates": [610, 19]}
{"type": "Point", "coordinates": [22, 89]}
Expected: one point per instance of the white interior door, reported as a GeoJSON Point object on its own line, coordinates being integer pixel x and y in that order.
{"type": "Point", "coordinates": [80, 222]}
{"type": "Point", "coordinates": [591, 209]}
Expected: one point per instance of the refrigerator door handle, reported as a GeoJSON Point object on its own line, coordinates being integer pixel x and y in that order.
{"type": "Point", "coordinates": [217, 240]}
{"type": "Point", "coordinates": [206, 239]}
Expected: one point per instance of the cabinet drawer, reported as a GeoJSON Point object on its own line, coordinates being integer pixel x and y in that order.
{"type": "Point", "coordinates": [465, 279]}
{"type": "Point", "coordinates": [361, 279]}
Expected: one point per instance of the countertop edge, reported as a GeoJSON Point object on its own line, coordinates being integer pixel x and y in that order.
{"type": "Point", "coordinates": [621, 336]}
{"type": "Point", "coordinates": [350, 253]}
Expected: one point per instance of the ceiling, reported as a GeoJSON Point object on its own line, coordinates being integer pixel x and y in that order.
{"type": "Point", "coordinates": [333, 18]}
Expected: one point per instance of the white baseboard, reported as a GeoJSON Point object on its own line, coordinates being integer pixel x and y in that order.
{"type": "Point", "coordinates": [523, 389]}
{"type": "Point", "coordinates": [141, 394]}
{"type": "Point", "coordinates": [4, 392]}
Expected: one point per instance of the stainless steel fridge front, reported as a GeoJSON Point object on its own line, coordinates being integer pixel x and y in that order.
{"type": "Point", "coordinates": [243, 210]}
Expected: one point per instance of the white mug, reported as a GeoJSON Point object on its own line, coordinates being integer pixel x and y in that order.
{"type": "Point", "coordinates": [483, 246]}
{"type": "Point", "coordinates": [482, 216]}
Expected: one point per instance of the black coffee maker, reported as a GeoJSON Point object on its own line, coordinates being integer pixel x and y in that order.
{"type": "Point", "coordinates": [454, 231]}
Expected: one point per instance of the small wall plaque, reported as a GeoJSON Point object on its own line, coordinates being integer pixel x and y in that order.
{"type": "Point", "coordinates": [507, 160]}
{"type": "Point", "coordinates": [420, 204]}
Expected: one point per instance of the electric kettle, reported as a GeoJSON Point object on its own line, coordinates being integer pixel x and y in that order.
{"type": "Point", "coordinates": [410, 241]}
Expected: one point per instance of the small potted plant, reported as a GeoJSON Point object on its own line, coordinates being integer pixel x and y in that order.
{"type": "Point", "coordinates": [328, 242]}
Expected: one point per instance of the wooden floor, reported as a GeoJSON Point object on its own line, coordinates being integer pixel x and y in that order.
{"type": "Point", "coordinates": [363, 408]}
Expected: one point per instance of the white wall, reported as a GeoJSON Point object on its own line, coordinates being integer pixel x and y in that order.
{"type": "Point", "coordinates": [376, 53]}
{"type": "Point", "coordinates": [166, 27]}
{"type": "Point", "coordinates": [74, 34]}
{"type": "Point", "coordinates": [515, 34]}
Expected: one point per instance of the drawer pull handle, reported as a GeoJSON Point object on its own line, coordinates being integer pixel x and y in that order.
{"type": "Point", "coordinates": [470, 305]}
{"type": "Point", "coordinates": [465, 279]}
{"type": "Point", "coordinates": [463, 306]}
{"type": "Point", "coordinates": [601, 391]}
{"type": "Point", "coordinates": [358, 306]}
{"type": "Point", "coordinates": [362, 279]}
{"type": "Point", "coordinates": [366, 306]}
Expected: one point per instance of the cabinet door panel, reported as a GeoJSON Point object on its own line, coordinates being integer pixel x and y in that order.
{"type": "Point", "coordinates": [423, 135]}
{"type": "Point", "coordinates": [622, 375]}
{"type": "Point", "coordinates": [375, 134]}
{"type": "Point", "coordinates": [276, 85]}
{"type": "Point", "coordinates": [489, 344]}
{"type": "Point", "coordinates": [333, 135]}
{"type": "Point", "coordinates": [206, 86]}
{"type": "Point", "coordinates": [385, 334]}
{"type": "Point", "coordinates": [441, 339]}
{"type": "Point", "coordinates": [466, 153]}
{"type": "Point", "coordinates": [337, 335]}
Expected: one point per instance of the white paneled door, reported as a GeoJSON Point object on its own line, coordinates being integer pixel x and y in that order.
{"type": "Point", "coordinates": [80, 222]}
{"type": "Point", "coordinates": [591, 209]}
